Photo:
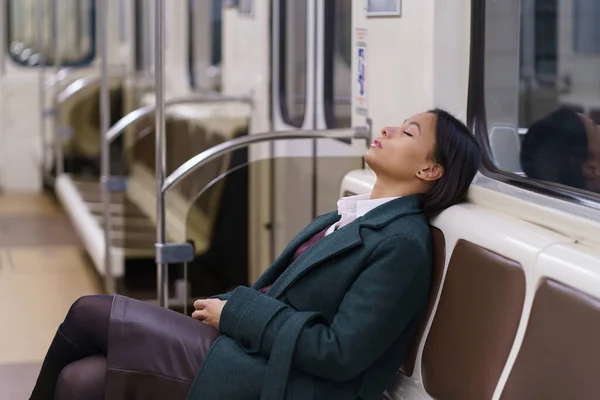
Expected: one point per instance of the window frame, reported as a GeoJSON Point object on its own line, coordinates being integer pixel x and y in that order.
{"type": "Point", "coordinates": [328, 64]}
{"type": "Point", "coordinates": [191, 41]}
{"type": "Point", "coordinates": [329, 45]}
{"type": "Point", "coordinates": [138, 48]}
{"type": "Point", "coordinates": [84, 62]}
{"type": "Point", "coordinates": [477, 123]}
{"type": "Point", "coordinates": [282, 64]}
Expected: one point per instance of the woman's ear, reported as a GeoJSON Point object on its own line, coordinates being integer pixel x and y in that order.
{"type": "Point", "coordinates": [431, 172]}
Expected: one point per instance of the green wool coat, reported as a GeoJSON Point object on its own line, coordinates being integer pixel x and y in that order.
{"type": "Point", "coordinates": [336, 322]}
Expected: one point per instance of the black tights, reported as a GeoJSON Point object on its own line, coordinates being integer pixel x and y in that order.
{"type": "Point", "coordinates": [75, 365]}
{"type": "Point", "coordinates": [87, 322]}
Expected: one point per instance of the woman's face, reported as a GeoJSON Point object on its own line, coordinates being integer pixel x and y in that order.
{"type": "Point", "coordinates": [405, 152]}
{"type": "Point", "coordinates": [591, 168]}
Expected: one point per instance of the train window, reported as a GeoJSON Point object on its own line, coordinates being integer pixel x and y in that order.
{"type": "Point", "coordinates": [293, 53]}
{"type": "Point", "coordinates": [539, 94]}
{"type": "Point", "coordinates": [586, 36]}
{"type": "Point", "coordinates": [29, 20]}
{"type": "Point", "coordinates": [338, 63]}
{"type": "Point", "coordinates": [205, 43]}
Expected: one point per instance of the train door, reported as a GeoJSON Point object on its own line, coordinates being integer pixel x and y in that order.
{"type": "Point", "coordinates": [311, 88]}
{"type": "Point", "coordinates": [29, 26]}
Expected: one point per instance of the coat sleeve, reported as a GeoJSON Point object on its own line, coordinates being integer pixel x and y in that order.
{"type": "Point", "coordinates": [222, 296]}
{"type": "Point", "coordinates": [374, 312]}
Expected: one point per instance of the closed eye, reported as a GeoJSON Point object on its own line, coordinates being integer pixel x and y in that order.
{"type": "Point", "coordinates": [409, 134]}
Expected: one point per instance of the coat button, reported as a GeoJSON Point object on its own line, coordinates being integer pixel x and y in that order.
{"type": "Point", "coordinates": [246, 343]}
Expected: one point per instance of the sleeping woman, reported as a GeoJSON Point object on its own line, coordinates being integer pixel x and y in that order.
{"type": "Point", "coordinates": [331, 318]}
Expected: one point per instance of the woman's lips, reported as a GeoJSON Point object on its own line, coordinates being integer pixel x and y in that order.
{"type": "Point", "coordinates": [376, 143]}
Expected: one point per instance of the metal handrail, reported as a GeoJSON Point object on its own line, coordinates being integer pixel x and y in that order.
{"type": "Point", "coordinates": [80, 84]}
{"type": "Point", "coordinates": [84, 82]}
{"type": "Point", "coordinates": [223, 148]}
{"type": "Point", "coordinates": [363, 132]}
{"type": "Point", "coordinates": [121, 125]}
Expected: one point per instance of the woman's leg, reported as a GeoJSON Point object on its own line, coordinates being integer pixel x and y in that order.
{"type": "Point", "coordinates": [83, 333]}
{"type": "Point", "coordinates": [155, 353]}
{"type": "Point", "coordinates": [82, 379]}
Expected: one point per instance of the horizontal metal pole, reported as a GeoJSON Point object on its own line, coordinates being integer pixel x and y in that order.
{"type": "Point", "coordinates": [118, 128]}
{"type": "Point", "coordinates": [226, 147]}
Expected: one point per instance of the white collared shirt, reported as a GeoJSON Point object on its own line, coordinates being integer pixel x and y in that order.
{"type": "Point", "coordinates": [353, 207]}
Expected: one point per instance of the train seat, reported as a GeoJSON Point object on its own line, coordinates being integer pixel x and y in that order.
{"type": "Point", "coordinates": [474, 325]}
{"type": "Point", "coordinates": [559, 357]}
{"type": "Point", "coordinates": [188, 218]}
{"type": "Point", "coordinates": [472, 318]}
{"type": "Point", "coordinates": [439, 261]}
{"type": "Point", "coordinates": [133, 224]}
{"type": "Point", "coordinates": [79, 113]}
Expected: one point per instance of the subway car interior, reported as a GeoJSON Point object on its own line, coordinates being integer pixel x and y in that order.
{"type": "Point", "coordinates": [170, 150]}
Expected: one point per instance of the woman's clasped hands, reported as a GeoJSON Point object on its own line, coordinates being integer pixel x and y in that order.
{"type": "Point", "coordinates": [208, 311]}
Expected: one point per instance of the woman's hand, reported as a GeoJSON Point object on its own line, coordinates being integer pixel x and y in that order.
{"type": "Point", "coordinates": [208, 311]}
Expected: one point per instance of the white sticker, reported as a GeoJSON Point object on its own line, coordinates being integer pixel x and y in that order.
{"type": "Point", "coordinates": [361, 72]}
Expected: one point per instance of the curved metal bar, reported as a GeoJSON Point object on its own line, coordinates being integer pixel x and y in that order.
{"type": "Point", "coordinates": [119, 127]}
{"type": "Point", "coordinates": [78, 85]}
{"type": "Point", "coordinates": [226, 147]}
{"type": "Point", "coordinates": [84, 82]}
{"type": "Point", "coordinates": [231, 145]}
{"type": "Point", "coordinates": [187, 212]}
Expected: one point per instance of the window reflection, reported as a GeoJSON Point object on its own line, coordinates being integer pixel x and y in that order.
{"type": "Point", "coordinates": [563, 147]}
{"type": "Point", "coordinates": [542, 92]}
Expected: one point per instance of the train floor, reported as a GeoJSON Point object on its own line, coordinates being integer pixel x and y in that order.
{"type": "Point", "coordinates": [43, 269]}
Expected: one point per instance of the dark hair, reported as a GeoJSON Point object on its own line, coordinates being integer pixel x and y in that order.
{"type": "Point", "coordinates": [555, 149]}
{"type": "Point", "coordinates": [457, 150]}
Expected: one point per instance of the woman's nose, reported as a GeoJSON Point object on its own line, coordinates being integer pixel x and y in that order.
{"type": "Point", "coordinates": [384, 132]}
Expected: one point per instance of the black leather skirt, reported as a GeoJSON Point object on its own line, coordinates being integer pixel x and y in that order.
{"type": "Point", "coordinates": [153, 352]}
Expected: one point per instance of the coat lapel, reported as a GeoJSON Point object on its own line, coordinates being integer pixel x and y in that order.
{"type": "Point", "coordinates": [342, 240]}
{"type": "Point", "coordinates": [332, 245]}
{"type": "Point", "coordinates": [282, 262]}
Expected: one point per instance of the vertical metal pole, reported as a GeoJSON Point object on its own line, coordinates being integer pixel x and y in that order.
{"type": "Point", "coordinates": [102, 24]}
{"type": "Point", "coordinates": [40, 30]}
{"type": "Point", "coordinates": [57, 64]}
{"type": "Point", "coordinates": [315, 161]}
{"type": "Point", "coordinates": [160, 133]}
{"type": "Point", "coordinates": [3, 37]}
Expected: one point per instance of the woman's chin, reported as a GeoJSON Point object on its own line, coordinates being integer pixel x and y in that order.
{"type": "Point", "coordinates": [371, 157]}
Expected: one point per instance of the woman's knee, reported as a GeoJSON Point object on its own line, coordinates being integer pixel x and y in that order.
{"type": "Point", "coordinates": [82, 379]}
{"type": "Point", "coordinates": [87, 322]}
{"type": "Point", "coordinates": [88, 307]}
